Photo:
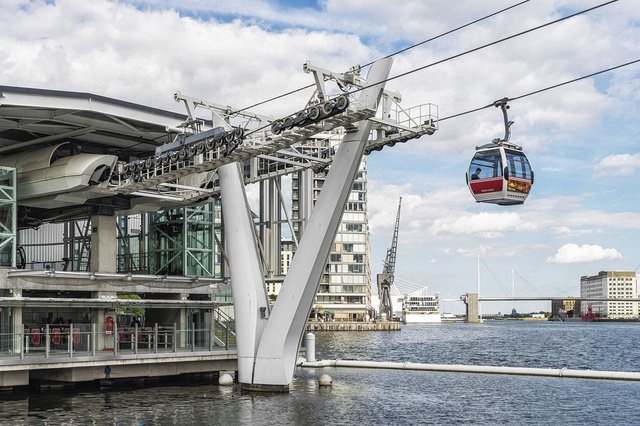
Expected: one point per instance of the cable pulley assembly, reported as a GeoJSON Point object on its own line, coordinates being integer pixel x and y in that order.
{"type": "Point", "coordinates": [182, 149]}
{"type": "Point", "coordinates": [311, 115]}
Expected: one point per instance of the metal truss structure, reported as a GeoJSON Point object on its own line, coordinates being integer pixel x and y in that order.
{"type": "Point", "coordinates": [8, 217]}
{"type": "Point", "coordinates": [149, 179]}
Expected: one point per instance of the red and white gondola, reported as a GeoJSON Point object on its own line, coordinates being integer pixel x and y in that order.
{"type": "Point", "coordinates": [500, 172]}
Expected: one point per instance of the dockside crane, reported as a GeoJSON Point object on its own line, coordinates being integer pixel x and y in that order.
{"type": "Point", "coordinates": [385, 279]}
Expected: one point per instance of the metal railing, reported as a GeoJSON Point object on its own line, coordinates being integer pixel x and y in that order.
{"type": "Point", "coordinates": [82, 340]}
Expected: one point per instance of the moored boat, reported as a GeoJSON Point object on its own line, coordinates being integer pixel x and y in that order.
{"type": "Point", "coordinates": [420, 307]}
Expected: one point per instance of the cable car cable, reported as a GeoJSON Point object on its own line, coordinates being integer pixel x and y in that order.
{"type": "Point", "coordinates": [475, 49]}
{"type": "Point", "coordinates": [535, 92]}
{"type": "Point", "coordinates": [388, 56]}
{"type": "Point", "coordinates": [448, 32]}
{"type": "Point", "coordinates": [574, 80]}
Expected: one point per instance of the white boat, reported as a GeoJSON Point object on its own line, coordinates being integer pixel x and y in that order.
{"type": "Point", "coordinates": [420, 307]}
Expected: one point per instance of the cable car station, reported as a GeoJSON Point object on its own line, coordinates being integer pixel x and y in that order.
{"type": "Point", "coordinates": [126, 240]}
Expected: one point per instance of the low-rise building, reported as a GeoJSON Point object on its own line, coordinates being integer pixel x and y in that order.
{"type": "Point", "coordinates": [565, 308]}
{"type": "Point", "coordinates": [610, 285]}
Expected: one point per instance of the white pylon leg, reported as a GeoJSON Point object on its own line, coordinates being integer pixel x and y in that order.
{"type": "Point", "coordinates": [247, 279]}
{"type": "Point", "coordinates": [278, 346]}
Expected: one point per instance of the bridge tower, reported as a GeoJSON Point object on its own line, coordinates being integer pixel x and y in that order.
{"type": "Point", "coordinates": [471, 303]}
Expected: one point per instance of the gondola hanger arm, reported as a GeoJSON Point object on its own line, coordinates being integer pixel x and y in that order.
{"type": "Point", "coordinates": [503, 104]}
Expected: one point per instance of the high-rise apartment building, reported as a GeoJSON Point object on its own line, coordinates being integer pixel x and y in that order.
{"type": "Point", "coordinates": [345, 288]}
{"type": "Point", "coordinates": [612, 285]}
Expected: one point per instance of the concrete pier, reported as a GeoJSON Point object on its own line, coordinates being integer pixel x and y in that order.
{"type": "Point", "coordinates": [471, 302]}
{"type": "Point", "coordinates": [84, 352]}
{"type": "Point", "coordinates": [16, 372]}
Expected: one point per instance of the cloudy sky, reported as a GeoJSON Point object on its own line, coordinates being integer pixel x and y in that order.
{"type": "Point", "coordinates": [582, 139]}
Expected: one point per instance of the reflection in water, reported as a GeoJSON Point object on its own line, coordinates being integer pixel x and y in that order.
{"type": "Point", "coordinates": [360, 396]}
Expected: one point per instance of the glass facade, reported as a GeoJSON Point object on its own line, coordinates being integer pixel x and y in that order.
{"type": "Point", "coordinates": [132, 244]}
{"type": "Point", "coordinates": [183, 241]}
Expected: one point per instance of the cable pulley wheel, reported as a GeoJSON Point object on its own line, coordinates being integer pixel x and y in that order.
{"type": "Point", "coordinates": [276, 127]}
{"type": "Point", "coordinates": [229, 136]}
{"type": "Point", "coordinates": [200, 148]}
{"type": "Point", "coordinates": [327, 107]}
{"type": "Point", "coordinates": [342, 102]}
{"type": "Point", "coordinates": [314, 112]}
{"type": "Point", "coordinates": [288, 123]}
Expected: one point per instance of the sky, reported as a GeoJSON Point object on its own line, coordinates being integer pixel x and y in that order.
{"type": "Point", "coordinates": [582, 139]}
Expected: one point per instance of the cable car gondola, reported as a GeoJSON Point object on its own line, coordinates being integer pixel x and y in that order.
{"type": "Point", "coordinates": [499, 172]}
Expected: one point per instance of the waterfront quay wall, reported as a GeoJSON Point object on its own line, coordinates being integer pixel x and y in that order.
{"type": "Point", "coordinates": [353, 326]}
{"type": "Point", "coordinates": [32, 369]}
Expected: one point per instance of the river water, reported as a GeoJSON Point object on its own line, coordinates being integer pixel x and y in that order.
{"type": "Point", "coordinates": [384, 397]}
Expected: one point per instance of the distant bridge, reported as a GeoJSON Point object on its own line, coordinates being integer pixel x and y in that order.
{"type": "Point", "coordinates": [546, 298]}
{"type": "Point", "coordinates": [472, 301]}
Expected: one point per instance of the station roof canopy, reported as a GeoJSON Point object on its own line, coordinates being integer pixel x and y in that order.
{"type": "Point", "coordinates": [31, 118]}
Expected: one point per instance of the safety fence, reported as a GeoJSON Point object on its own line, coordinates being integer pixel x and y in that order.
{"type": "Point", "coordinates": [81, 340]}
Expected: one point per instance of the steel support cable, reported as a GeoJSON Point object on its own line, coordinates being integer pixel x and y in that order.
{"type": "Point", "coordinates": [401, 282]}
{"type": "Point", "coordinates": [534, 288]}
{"type": "Point", "coordinates": [495, 277]}
{"type": "Point", "coordinates": [390, 55]}
{"type": "Point", "coordinates": [535, 92]}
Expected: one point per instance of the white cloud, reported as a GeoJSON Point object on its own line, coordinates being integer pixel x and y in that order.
{"type": "Point", "coordinates": [488, 225]}
{"type": "Point", "coordinates": [568, 216]}
{"type": "Point", "coordinates": [144, 56]}
{"type": "Point", "coordinates": [597, 219]}
{"type": "Point", "coordinates": [241, 52]}
{"type": "Point", "coordinates": [618, 165]}
{"type": "Point", "coordinates": [253, 196]}
{"type": "Point", "coordinates": [566, 231]}
{"type": "Point", "coordinates": [573, 253]}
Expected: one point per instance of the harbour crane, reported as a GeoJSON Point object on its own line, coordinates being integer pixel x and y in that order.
{"type": "Point", "coordinates": [385, 279]}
